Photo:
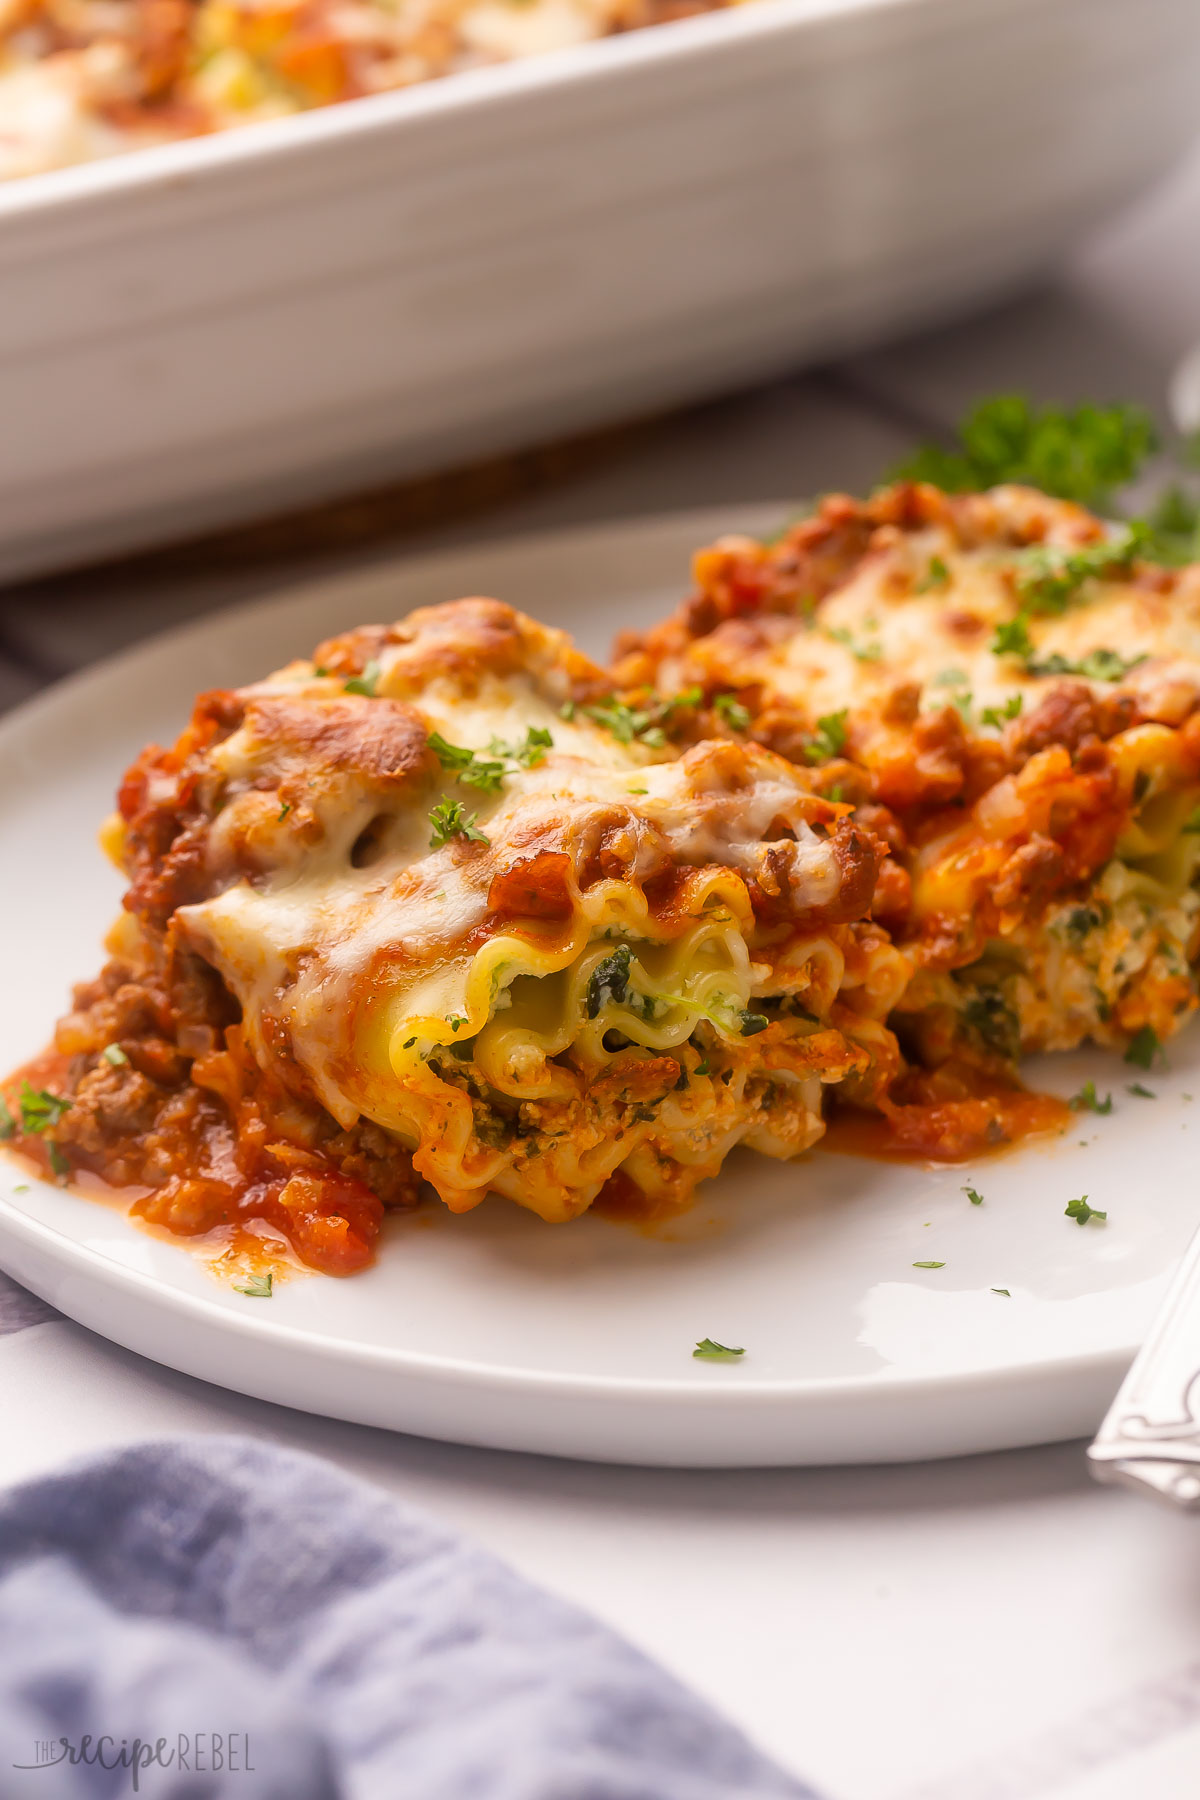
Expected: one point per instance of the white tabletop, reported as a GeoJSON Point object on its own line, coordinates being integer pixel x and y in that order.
{"type": "Point", "coordinates": [989, 1629]}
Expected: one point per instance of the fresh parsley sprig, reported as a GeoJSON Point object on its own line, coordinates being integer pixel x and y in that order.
{"type": "Point", "coordinates": [1079, 453]}
{"type": "Point", "coordinates": [1081, 1212]}
{"type": "Point", "coordinates": [449, 820]}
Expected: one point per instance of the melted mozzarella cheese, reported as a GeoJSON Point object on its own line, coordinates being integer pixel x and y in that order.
{"type": "Point", "coordinates": [880, 631]}
{"type": "Point", "coordinates": [324, 949]}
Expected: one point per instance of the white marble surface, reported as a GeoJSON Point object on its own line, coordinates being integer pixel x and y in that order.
{"type": "Point", "coordinates": [991, 1629]}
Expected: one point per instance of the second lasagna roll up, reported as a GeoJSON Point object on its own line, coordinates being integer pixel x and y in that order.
{"type": "Point", "coordinates": [458, 894]}
{"type": "Point", "coordinates": [1010, 690]}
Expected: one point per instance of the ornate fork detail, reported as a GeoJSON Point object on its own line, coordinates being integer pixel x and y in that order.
{"type": "Point", "coordinates": [1150, 1439]}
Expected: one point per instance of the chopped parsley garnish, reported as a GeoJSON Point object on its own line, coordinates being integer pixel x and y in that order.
{"type": "Point", "coordinates": [1003, 1291]}
{"type": "Point", "coordinates": [1081, 453]}
{"type": "Point", "coordinates": [468, 766]}
{"type": "Point", "coordinates": [974, 1196]}
{"type": "Point", "coordinates": [730, 708]}
{"type": "Point", "coordinates": [40, 1109]}
{"type": "Point", "coordinates": [937, 575]}
{"type": "Point", "coordinates": [1081, 1212]}
{"type": "Point", "coordinates": [609, 982]}
{"type": "Point", "coordinates": [8, 1125]}
{"type": "Point", "coordinates": [627, 723]}
{"type": "Point", "coordinates": [950, 678]}
{"type": "Point", "coordinates": [1143, 1047]}
{"type": "Point", "coordinates": [1141, 1093]}
{"type": "Point", "coordinates": [1173, 528]}
{"type": "Point", "coordinates": [702, 1068]}
{"type": "Point", "coordinates": [711, 1351]}
{"type": "Point", "coordinates": [258, 1287]}
{"type": "Point", "coordinates": [1049, 576]}
{"type": "Point", "coordinates": [58, 1160]}
{"type": "Point", "coordinates": [455, 1020]}
{"type": "Point", "coordinates": [1087, 1100]}
{"type": "Point", "coordinates": [829, 738]}
{"type": "Point", "coordinates": [366, 683]}
{"type": "Point", "coordinates": [488, 772]}
{"type": "Point", "coordinates": [929, 1265]}
{"type": "Point", "coordinates": [449, 820]}
{"type": "Point", "coordinates": [1098, 665]}
{"type": "Point", "coordinates": [284, 810]}
{"type": "Point", "coordinates": [1192, 822]}
{"type": "Point", "coordinates": [997, 715]}
{"type": "Point", "coordinates": [1012, 638]}
{"type": "Point", "coordinates": [22, 1187]}
{"type": "Point", "coordinates": [113, 1053]}
{"type": "Point", "coordinates": [529, 753]}
{"type": "Point", "coordinates": [753, 1023]}
{"type": "Point", "coordinates": [868, 651]}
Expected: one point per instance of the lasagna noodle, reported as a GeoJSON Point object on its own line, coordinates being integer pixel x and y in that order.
{"type": "Point", "coordinates": [449, 909]}
{"type": "Point", "coordinates": [1010, 696]}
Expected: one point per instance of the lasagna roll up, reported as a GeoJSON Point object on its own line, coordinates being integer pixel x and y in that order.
{"type": "Point", "coordinates": [448, 893]}
{"type": "Point", "coordinates": [1011, 693]}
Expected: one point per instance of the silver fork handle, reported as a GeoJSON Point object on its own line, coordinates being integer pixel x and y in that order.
{"type": "Point", "coordinates": [1150, 1439]}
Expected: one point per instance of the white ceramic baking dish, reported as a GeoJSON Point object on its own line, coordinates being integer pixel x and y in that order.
{"type": "Point", "coordinates": [195, 333]}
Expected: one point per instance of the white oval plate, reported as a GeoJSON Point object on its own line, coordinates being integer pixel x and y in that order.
{"type": "Point", "coordinates": [496, 1329]}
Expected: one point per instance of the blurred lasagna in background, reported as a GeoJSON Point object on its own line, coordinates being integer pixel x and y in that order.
{"type": "Point", "coordinates": [81, 79]}
{"type": "Point", "coordinates": [1007, 689]}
